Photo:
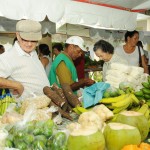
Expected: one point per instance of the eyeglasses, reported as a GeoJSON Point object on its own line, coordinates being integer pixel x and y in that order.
{"type": "Point", "coordinates": [26, 41]}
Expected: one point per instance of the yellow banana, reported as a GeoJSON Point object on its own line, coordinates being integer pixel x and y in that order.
{"type": "Point", "coordinates": [76, 111]}
{"type": "Point", "coordinates": [149, 123]}
{"type": "Point", "coordinates": [148, 103]}
{"type": "Point", "coordinates": [135, 108]}
{"type": "Point", "coordinates": [135, 100]}
{"type": "Point", "coordinates": [2, 108]}
{"type": "Point", "coordinates": [146, 114]}
{"type": "Point", "coordinates": [81, 109]}
{"type": "Point", "coordinates": [123, 102]}
{"type": "Point", "coordinates": [113, 99]}
{"type": "Point", "coordinates": [143, 109]}
{"type": "Point", "coordinates": [119, 109]}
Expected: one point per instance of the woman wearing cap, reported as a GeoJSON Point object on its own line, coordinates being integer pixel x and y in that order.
{"type": "Point", "coordinates": [63, 69]}
{"type": "Point", "coordinates": [105, 51]}
{"type": "Point", "coordinates": [21, 63]}
{"type": "Point", "coordinates": [130, 51]}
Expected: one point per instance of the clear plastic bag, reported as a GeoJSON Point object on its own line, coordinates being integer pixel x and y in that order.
{"type": "Point", "coordinates": [3, 135]}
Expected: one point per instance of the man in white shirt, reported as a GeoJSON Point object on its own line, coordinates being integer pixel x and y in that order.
{"type": "Point", "coordinates": [21, 63]}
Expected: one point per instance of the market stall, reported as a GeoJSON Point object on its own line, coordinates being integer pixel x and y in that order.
{"type": "Point", "coordinates": [112, 115]}
{"type": "Point", "coordinates": [58, 120]}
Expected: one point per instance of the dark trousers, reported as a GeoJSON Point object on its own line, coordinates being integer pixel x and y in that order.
{"type": "Point", "coordinates": [149, 69]}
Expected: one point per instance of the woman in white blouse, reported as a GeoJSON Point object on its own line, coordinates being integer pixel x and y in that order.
{"type": "Point", "coordinates": [130, 50]}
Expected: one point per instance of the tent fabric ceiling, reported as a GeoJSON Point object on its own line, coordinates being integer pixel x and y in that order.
{"type": "Point", "coordinates": [123, 3]}
{"type": "Point", "coordinates": [33, 9]}
{"type": "Point", "coordinates": [8, 25]}
{"type": "Point", "coordinates": [99, 16]}
{"type": "Point", "coordinates": [128, 4]}
{"type": "Point", "coordinates": [73, 12]}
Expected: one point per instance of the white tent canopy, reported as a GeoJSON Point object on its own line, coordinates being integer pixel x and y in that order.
{"type": "Point", "coordinates": [74, 12]}
{"type": "Point", "coordinates": [99, 16]}
{"type": "Point", "coordinates": [60, 12]}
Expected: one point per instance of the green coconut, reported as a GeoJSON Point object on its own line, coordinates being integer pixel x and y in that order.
{"type": "Point", "coordinates": [87, 138]}
{"type": "Point", "coordinates": [135, 119]}
{"type": "Point", "coordinates": [117, 135]}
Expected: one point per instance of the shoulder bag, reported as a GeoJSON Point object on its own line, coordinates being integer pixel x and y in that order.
{"type": "Point", "coordinates": [140, 60]}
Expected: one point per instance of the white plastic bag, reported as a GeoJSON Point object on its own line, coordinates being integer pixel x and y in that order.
{"type": "Point", "coordinates": [3, 135]}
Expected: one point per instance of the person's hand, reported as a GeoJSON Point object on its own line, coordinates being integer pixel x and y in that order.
{"type": "Point", "coordinates": [18, 89]}
{"type": "Point", "coordinates": [88, 81]}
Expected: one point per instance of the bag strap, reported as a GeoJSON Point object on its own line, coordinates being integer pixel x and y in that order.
{"type": "Point", "coordinates": [140, 60]}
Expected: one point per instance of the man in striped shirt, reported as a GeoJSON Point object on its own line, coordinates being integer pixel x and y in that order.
{"type": "Point", "coordinates": [21, 62]}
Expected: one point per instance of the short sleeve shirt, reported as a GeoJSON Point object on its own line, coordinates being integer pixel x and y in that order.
{"type": "Point", "coordinates": [17, 65]}
{"type": "Point", "coordinates": [132, 58]}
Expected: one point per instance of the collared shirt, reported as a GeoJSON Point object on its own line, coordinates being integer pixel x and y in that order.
{"type": "Point", "coordinates": [115, 58]}
{"type": "Point", "coordinates": [18, 65]}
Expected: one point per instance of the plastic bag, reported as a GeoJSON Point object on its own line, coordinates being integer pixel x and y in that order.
{"type": "Point", "coordinates": [7, 148]}
{"type": "Point", "coordinates": [3, 135]}
{"type": "Point", "coordinates": [38, 101]}
{"type": "Point", "coordinates": [94, 93]}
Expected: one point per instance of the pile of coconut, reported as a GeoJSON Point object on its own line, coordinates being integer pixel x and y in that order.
{"type": "Point", "coordinates": [91, 132]}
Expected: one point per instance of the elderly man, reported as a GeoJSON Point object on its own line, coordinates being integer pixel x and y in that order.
{"type": "Point", "coordinates": [63, 69]}
{"type": "Point", "coordinates": [21, 63]}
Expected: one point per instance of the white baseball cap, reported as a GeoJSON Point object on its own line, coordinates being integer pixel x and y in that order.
{"type": "Point", "coordinates": [76, 40]}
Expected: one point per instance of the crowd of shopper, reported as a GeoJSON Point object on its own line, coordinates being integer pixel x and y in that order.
{"type": "Point", "coordinates": [25, 70]}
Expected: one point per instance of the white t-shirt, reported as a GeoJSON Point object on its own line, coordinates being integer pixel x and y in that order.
{"type": "Point", "coordinates": [148, 58]}
{"type": "Point", "coordinates": [132, 58]}
{"type": "Point", "coordinates": [47, 69]}
{"type": "Point", "coordinates": [17, 65]}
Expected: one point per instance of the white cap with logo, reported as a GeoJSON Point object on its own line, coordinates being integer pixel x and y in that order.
{"type": "Point", "coordinates": [76, 40]}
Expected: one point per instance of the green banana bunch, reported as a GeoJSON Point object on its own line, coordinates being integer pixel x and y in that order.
{"type": "Point", "coordinates": [4, 103]}
{"type": "Point", "coordinates": [148, 79]}
{"type": "Point", "coordinates": [144, 93]}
